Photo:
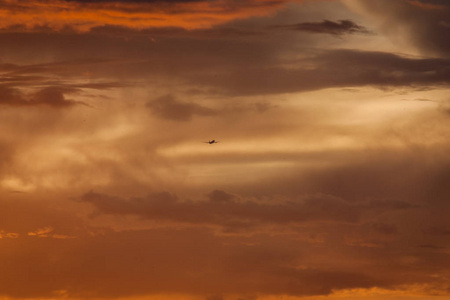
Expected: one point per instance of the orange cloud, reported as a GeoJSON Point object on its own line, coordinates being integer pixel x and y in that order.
{"type": "Point", "coordinates": [58, 14]}
{"type": "Point", "coordinates": [8, 235]}
{"type": "Point", "coordinates": [46, 232]}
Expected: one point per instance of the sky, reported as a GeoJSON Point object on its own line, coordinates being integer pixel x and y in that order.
{"type": "Point", "coordinates": [330, 179]}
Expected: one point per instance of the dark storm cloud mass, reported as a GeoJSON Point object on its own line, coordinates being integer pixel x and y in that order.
{"type": "Point", "coordinates": [326, 26]}
{"type": "Point", "coordinates": [168, 107]}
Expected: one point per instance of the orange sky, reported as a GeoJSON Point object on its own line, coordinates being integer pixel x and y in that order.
{"type": "Point", "coordinates": [329, 181]}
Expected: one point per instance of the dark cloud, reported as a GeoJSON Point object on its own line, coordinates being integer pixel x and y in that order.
{"type": "Point", "coordinates": [220, 196]}
{"type": "Point", "coordinates": [434, 247]}
{"type": "Point", "coordinates": [435, 2]}
{"type": "Point", "coordinates": [388, 229]}
{"type": "Point", "coordinates": [365, 176]}
{"type": "Point", "coordinates": [223, 210]}
{"type": "Point", "coordinates": [9, 96]}
{"type": "Point", "coordinates": [167, 107]}
{"type": "Point", "coordinates": [50, 96]}
{"type": "Point", "coordinates": [7, 67]}
{"type": "Point", "coordinates": [45, 80]}
{"type": "Point", "coordinates": [423, 23]}
{"type": "Point", "coordinates": [329, 27]}
{"type": "Point", "coordinates": [336, 68]}
{"type": "Point", "coordinates": [239, 67]}
{"type": "Point", "coordinates": [217, 32]}
{"type": "Point", "coordinates": [51, 73]}
{"type": "Point", "coordinates": [60, 67]}
{"type": "Point", "coordinates": [136, 1]}
{"type": "Point", "coordinates": [438, 231]}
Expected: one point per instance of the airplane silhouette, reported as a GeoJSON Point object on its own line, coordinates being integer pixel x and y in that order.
{"type": "Point", "coordinates": [212, 142]}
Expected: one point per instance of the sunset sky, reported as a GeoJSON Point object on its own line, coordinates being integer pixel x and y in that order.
{"type": "Point", "coordinates": [330, 181]}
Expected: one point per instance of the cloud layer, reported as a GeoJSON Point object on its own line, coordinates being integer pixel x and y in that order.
{"type": "Point", "coordinates": [330, 178]}
{"type": "Point", "coordinates": [84, 15]}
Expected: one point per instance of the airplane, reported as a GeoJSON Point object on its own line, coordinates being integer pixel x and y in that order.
{"type": "Point", "coordinates": [212, 142]}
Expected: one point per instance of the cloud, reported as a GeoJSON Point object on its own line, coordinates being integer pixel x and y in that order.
{"type": "Point", "coordinates": [420, 23]}
{"type": "Point", "coordinates": [134, 1]}
{"type": "Point", "coordinates": [220, 196]}
{"type": "Point", "coordinates": [49, 96]}
{"type": "Point", "coordinates": [428, 4]}
{"type": "Point", "coordinates": [167, 107]}
{"type": "Point", "coordinates": [229, 66]}
{"type": "Point", "coordinates": [434, 247]}
{"type": "Point", "coordinates": [387, 229]}
{"type": "Point", "coordinates": [224, 210]}
{"type": "Point", "coordinates": [332, 190]}
{"type": "Point", "coordinates": [40, 215]}
{"type": "Point", "coordinates": [50, 74]}
{"type": "Point", "coordinates": [218, 32]}
{"type": "Point", "coordinates": [11, 96]}
{"type": "Point", "coordinates": [335, 68]}
{"type": "Point", "coordinates": [438, 231]}
{"type": "Point", "coordinates": [41, 84]}
{"type": "Point", "coordinates": [101, 262]}
{"type": "Point", "coordinates": [52, 96]}
{"type": "Point", "coordinates": [82, 16]}
{"type": "Point", "coordinates": [328, 27]}
{"type": "Point", "coordinates": [129, 263]}
{"type": "Point", "coordinates": [8, 235]}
